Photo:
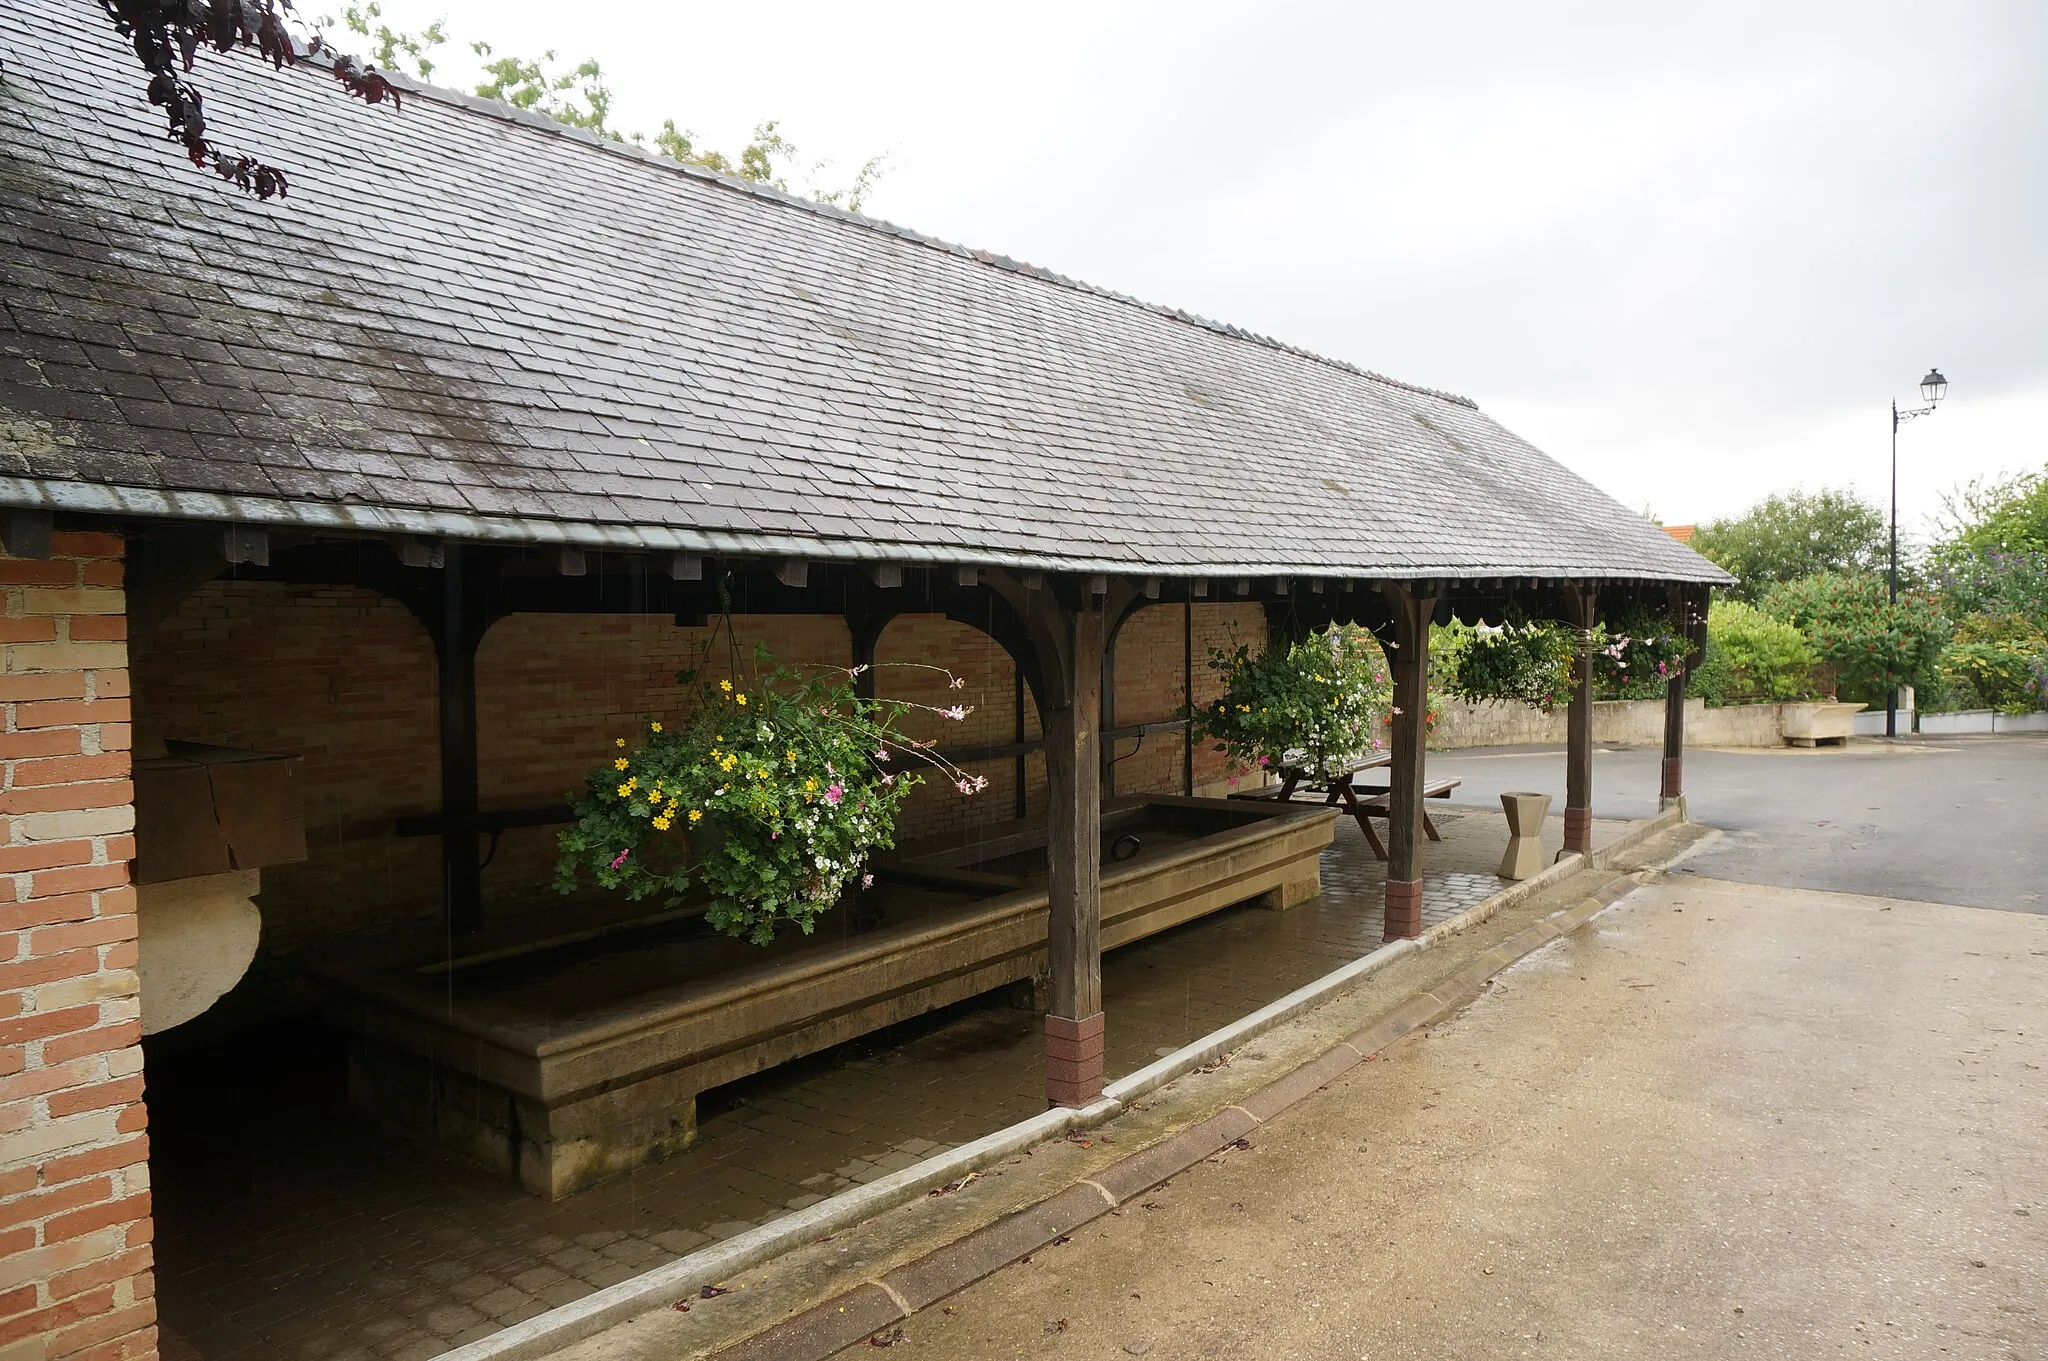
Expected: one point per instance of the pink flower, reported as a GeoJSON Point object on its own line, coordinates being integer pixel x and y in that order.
{"type": "Point", "coordinates": [1397, 708]}
{"type": "Point", "coordinates": [958, 713]}
{"type": "Point", "coordinates": [881, 753]}
{"type": "Point", "coordinates": [834, 793]}
{"type": "Point", "coordinates": [622, 857]}
{"type": "Point", "coordinates": [867, 881]}
{"type": "Point", "coordinates": [965, 786]}
{"type": "Point", "coordinates": [1265, 760]}
{"type": "Point", "coordinates": [980, 782]}
{"type": "Point", "coordinates": [959, 683]}
{"type": "Point", "coordinates": [889, 778]}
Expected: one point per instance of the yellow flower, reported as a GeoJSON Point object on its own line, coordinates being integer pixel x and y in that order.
{"type": "Point", "coordinates": [696, 814]}
{"type": "Point", "coordinates": [726, 686]}
{"type": "Point", "coordinates": [661, 823]}
{"type": "Point", "coordinates": [624, 790]}
{"type": "Point", "coordinates": [741, 698]}
{"type": "Point", "coordinates": [619, 764]}
{"type": "Point", "coordinates": [656, 727]}
{"type": "Point", "coordinates": [621, 742]}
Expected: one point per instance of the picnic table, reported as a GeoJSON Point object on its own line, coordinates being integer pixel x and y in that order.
{"type": "Point", "coordinates": [1363, 801]}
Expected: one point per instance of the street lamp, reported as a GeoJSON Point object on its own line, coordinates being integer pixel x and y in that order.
{"type": "Point", "coordinates": [1932, 389]}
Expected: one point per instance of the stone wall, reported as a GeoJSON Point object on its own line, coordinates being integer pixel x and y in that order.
{"type": "Point", "coordinates": [75, 1229]}
{"type": "Point", "coordinates": [1620, 722]}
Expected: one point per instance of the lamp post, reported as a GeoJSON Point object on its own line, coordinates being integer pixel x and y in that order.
{"type": "Point", "coordinates": [1932, 389]}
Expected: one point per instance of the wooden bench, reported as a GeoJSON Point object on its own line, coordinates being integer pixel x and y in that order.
{"type": "Point", "coordinates": [1363, 802]}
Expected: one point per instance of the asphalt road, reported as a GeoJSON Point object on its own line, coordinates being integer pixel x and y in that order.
{"type": "Point", "coordinates": [1718, 1121]}
{"type": "Point", "coordinates": [1955, 820]}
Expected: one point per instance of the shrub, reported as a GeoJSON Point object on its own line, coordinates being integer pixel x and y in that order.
{"type": "Point", "coordinates": [1753, 657]}
{"type": "Point", "coordinates": [1635, 656]}
{"type": "Point", "coordinates": [1995, 662]}
{"type": "Point", "coordinates": [1873, 644]}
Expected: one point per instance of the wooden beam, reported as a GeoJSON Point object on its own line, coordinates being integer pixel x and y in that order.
{"type": "Point", "coordinates": [1581, 606]}
{"type": "Point", "coordinates": [1074, 1023]}
{"type": "Point", "coordinates": [887, 576]}
{"type": "Point", "coordinates": [27, 534]}
{"type": "Point", "coordinates": [1410, 665]}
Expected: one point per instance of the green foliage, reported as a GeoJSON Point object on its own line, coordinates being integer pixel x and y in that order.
{"type": "Point", "coordinates": [1995, 662]}
{"type": "Point", "coordinates": [1527, 663]}
{"type": "Point", "coordinates": [575, 97]}
{"type": "Point", "coordinates": [392, 49]}
{"type": "Point", "coordinates": [2008, 516]}
{"type": "Point", "coordinates": [579, 96]}
{"type": "Point", "coordinates": [1313, 707]}
{"type": "Point", "coordinates": [1796, 534]}
{"type": "Point", "coordinates": [1872, 644]}
{"type": "Point", "coordinates": [1752, 658]}
{"type": "Point", "coordinates": [771, 792]}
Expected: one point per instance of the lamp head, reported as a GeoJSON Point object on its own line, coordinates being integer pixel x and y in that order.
{"type": "Point", "coordinates": [1933, 387]}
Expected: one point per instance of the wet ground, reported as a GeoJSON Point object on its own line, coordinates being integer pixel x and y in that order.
{"type": "Point", "coordinates": [288, 1227]}
{"type": "Point", "coordinates": [1941, 820]}
{"type": "Point", "coordinates": [1723, 1120]}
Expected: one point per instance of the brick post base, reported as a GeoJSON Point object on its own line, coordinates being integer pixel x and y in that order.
{"type": "Point", "coordinates": [1404, 908]}
{"type": "Point", "coordinates": [1674, 777]}
{"type": "Point", "coordinates": [75, 1269]}
{"type": "Point", "coordinates": [1073, 1060]}
{"type": "Point", "coordinates": [1578, 830]}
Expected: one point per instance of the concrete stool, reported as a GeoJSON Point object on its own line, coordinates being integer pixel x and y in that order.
{"type": "Point", "coordinates": [1525, 834]}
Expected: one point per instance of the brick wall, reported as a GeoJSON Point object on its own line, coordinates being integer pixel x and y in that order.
{"type": "Point", "coordinates": [75, 1267]}
{"type": "Point", "coordinates": [345, 679]}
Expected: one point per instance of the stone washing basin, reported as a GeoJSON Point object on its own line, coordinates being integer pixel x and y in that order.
{"type": "Point", "coordinates": [568, 1060]}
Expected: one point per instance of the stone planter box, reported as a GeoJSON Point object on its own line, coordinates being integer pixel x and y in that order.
{"type": "Point", "coordinates": [2036, 722]}
{"type": "Point", "coordinates": [1809, 724]}
{"type": "Point", "coordinates": [568, 1063]}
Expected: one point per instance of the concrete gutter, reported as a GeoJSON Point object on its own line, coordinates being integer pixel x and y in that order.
{"type": "Point", "coordinates": [545, 1334]}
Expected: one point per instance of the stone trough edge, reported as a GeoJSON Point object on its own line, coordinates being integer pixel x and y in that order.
{"type": "Point", "coordinates": [564, 1325]}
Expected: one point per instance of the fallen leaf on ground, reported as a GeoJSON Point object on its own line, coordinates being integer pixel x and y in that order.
{"type": "Point", "coordinates": [712, 1292]}
{"type": "Point", "coordinates": [888, 1339]}
{"type": "Point", "coordinates": [1058, 1325]}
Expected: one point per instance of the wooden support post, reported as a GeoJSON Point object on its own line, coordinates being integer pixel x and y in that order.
{"type": "Point", "coordinates": [1073, 1025]}
{"type": "Point", "coordinates": [455, 649]}
{"type": "Point", "coordinates": [1672, 790]}
{"type": "Point", "coordinates": [1410, 664]}
{"type": "Point", "coordinates": [1578, 768]}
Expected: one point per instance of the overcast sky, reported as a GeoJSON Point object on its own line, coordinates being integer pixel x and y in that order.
{"type": "Point", "coordinates": [1691, 251]}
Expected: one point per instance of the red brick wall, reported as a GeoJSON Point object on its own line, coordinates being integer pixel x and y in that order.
{"type": "Point", "coordinates": [75, 1266]}
{"type": "Point", "coordinates": [1150, 652]}
{"type": "Point", "coordinates": [912, 659]}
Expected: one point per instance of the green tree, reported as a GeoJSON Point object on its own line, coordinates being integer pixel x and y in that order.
{"type": "Point", "coordinates": [1795, 534]}
{"type": "Point", "coordinates": [579, 96]}
{"type": "Point", "coordinates": [1873, 644]}
{"type": "Point", "coordinates": [2006, 516]}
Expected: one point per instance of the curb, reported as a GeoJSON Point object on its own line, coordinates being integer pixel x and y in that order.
{"type": "Point", "coordinates": [547, 1333]}
{"type": "Point", "coordinates": [847, 1319]}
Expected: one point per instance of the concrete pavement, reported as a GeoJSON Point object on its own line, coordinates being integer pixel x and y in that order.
{"type": "Point", "coordinates": [1722, 1120]}
{"type": "Point", "coordinates": [1947, 820]}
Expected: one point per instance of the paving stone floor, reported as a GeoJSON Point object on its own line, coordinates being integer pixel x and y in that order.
{"type": "Point", "coordinates": [288, 1227]}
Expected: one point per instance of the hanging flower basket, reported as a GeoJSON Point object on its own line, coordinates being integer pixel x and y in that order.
{"type": "Point", "coordinates": [770, 791]}
{"type": "Point", "coordinates": [1311, 709]}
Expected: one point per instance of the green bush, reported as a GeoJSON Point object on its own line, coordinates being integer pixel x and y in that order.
{"type": "Point", "coordinates": [1994, 663]}
{"type": "Point", "coordinates": [1872, 643]}
{"type": "Point", "coordinates": [1752, 657]}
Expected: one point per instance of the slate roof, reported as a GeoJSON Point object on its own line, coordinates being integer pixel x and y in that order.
{"type": "Point", "coordinates": [468, 321]}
